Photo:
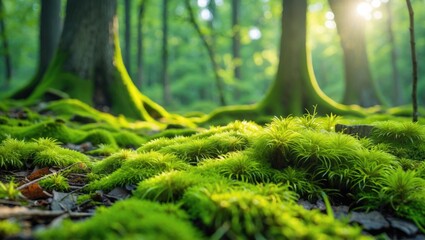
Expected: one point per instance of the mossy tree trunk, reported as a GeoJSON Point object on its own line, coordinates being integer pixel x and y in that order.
{"type": "Point", "coordinates": [88, 64]}
{"type": "Point", "coordinates": [359, 86]}
{"type": "Point", "coordinates": [5, 46]}
{"type": "Point", "coordinates": [50, 31]}
{"type": "Point", "coordinates": [295, 88]}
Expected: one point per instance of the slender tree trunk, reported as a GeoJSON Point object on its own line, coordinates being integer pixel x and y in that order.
{"type": "Point", "coordinates": [165, 77]}
{"type": "Point", "coordinates": [211, 55]}
{"type": "Point", "coordinates": [359, 87]}
{"type": "Point", "coordinates": [236, 43]}
{"type": "Point", "coordinates": [127, 35]}
{"type": "Point", "coordinates": [414, 61]}
{"type": "Point", "coordinates": [397, 97]}
{"type": "Point", "coordinates": [50, 29]}
{"type": "Point", "coordinates": [140, 51]}
{"type": "Point", "coordinates": [5, 45]}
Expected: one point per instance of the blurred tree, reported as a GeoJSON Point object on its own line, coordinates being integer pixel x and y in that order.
{"type": "Point", "coordinates": [50, 27]}
{"type": "Point", "coordinates": [236, 43]}
{"type": "Point", "coordinates": [396, 95]}
{"type": "Point", "coordinates": [88, 64]}
{"type": "Point", "coordinates": [215, 66]}
{"type": "Point", "coordinates": [164, 55]}
{"type": "Point", "coordinates": [140, 51]}
{"type": "Point", "coordinates": [359, 87]}
{"type": "Point", "coordinates": [5, 46]}
{"type": "Point", "coordinates": [127, 38]}
{"type": "Point", "coordinates": [294, 89]}
{"type": "Point", "coordinates": [414, 62]}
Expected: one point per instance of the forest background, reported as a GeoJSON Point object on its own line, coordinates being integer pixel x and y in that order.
{"type": "Point", "coordinates": [187, 82]}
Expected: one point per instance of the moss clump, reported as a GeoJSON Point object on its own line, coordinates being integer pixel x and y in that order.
{"type": "Point", "coordinates": [129, 219]}
{"type": "Point", "coordinates": [254, 214]}
{"type": "Point", "coordinates": [113, 162]}
{"type": "Point", "coordinates": [404, 139]}
{"type": "Point", "coordinates": [59, 157]}
{"type": "Point", "coordinates": [237, 166]}
{"type": "Point", "coordinates": [169, 186]}
{"type": "Point", "coordinates": [13, 154]}
{"type": "Point", "coordinates": [99, 136]}
{"type": "Point", "coordinates": [55, 182]}
{"type": "Point", "coordinates": [128, 139]}
{"type": "Point", "coordinates": [8, 228]}
{"type": "Point", "coordinates": [139, 168]}
{"type": "Point", "coordinates": [298, 180]}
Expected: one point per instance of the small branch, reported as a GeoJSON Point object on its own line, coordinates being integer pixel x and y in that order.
{"type": "Point", "coordinates": [218, 80]}
{"type": "Point", "coordinates": [45, 176]}
{"type": "Point", "coordinates": [23, 212]}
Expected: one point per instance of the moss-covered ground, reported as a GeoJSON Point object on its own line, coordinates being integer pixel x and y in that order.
{"type": "Point", "coordinates": [242, 180]}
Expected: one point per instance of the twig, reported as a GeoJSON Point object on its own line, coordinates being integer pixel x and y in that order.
{"type": "Point", "coordinates": [22, 212]}
{"type": "Point", "coordinates": [45, 176]}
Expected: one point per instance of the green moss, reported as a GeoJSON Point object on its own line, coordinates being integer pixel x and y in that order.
{"type": "Point", "coordinates": [171, 133]}
{"type": "Point", "coordinates": [129, 219]}
{"type": "Point", "coordinates": [159, 143]}
{"type": "Point", "coordinates": [8, 228]}
{"type": "Point", "coordinates": [13, 154]}
{"type": "Point", "coordinates": [169, 186]}
{"type": "Point", "coordinates": [299, 181]}
{"type": "Point", "coordinates": [128, 139]}
{"type": "Point", "coordinates": [398, 133]}
{"type": "Point", "coordinates": [104, 150]}
{"type": "Point", "coordinates": [237, 166]}
{"type": "Point", "coordinates": [139, 168]}
{"type": "Point", "coordinates": [55, 182]}
{"type": "Point", "coordinates": [9, 190]}
{"type": "Point", "coordinates": [250, 214]}
{"type": "Point", "coordinates": [60, 157]}
{"type": "Point", "coordinates": [113, 162]}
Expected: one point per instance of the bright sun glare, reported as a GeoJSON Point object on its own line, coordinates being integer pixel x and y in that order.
{"type": "Point", "coordinates": [370, 9]}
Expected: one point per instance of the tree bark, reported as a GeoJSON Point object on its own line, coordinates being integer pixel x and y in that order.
{"type": "Point", "coordinates": [140, 51]}
{"type": "Point", "coordinates": [211, 55]}
{"type": "Point", "coordinates": [164, 71]}
{"type": "Point", "coordinates": [236, 43]}
{"type": "Point", "coordinates": [127, 35]}
{"type": "Point", "coordinates": [359, 87]}
{"type": "Point", "coordinates": [88, 64]}
{"type": "Point", "coordinates": [5, 45]}
{"type": "Point", "coordinates": [50, 29]}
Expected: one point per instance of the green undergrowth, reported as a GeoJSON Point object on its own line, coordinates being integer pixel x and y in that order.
{"type": "Point", "coordinates": [238, 181]}
{"type": "Point", "coordinates": [130, 219]}
{"type": "Point", "coordinates": [58, 129]}
{"type": "Point", "coordinates": [41, 152]}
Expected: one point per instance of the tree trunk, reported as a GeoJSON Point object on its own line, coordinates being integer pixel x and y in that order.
{"type": "Point", "coordinates": [140, 53]}
{"type": "Point", "coordinates": [294, 89]}
{"type": "Point", "coordinates": [88, 64]}
{"type": "Point", "coordinates": [415, 113]}
{"type": "Point", "coordinates": [5, 45]}
{"type": "Point", "coordinates": [397, 95]}
{"type": "Point", "coordinates": [236, 44]}
{"type": "Point", "coordinates": [359, 87]}
{"type": "Point", "coordinates": [50, 30]}
{"type": "Point", "coordinates": [127, 35]}
{"type": "Point", "coordinates": [211, 55]}
{"type": "Point", "coordinates": [164, 71]}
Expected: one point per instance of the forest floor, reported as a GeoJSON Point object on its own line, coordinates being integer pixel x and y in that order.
{"type": "Point", "coordinates": [70, 172]}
